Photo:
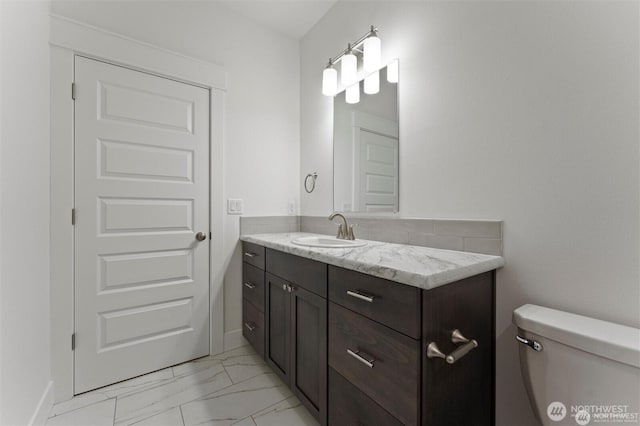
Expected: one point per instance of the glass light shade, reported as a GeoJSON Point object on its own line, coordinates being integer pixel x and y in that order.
{"type": "Point", "coordinates": [392, 72]}
{"type": "Point", "coordinates": [349, 69]}
{"type": "Point", "coordinates": [352, 94]}
{"type": "Point", "coordinates": [329, 81]}
{"type": "Point", "coordinates": [372, 54]}
{"type": "Point", "coordinates": [372, 83]}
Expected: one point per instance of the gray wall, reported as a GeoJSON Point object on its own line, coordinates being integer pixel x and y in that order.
{"type": "Point", "coordinates": [25, 371]}
{"type": "Point", "coordinates": [525, 112]}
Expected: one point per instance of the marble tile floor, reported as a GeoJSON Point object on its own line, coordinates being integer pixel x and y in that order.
{"type": "Point", "coordinates": [232, 388]}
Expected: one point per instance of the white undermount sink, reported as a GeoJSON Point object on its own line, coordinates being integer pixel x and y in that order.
{"type": "Point", "coordinates": [327, 242]}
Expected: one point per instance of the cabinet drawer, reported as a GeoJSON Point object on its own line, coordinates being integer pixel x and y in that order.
{"type": "Point", "coordinates": [392, 304]}
{"type": "Point", "coordinates": [253, 285]}
{"type": "Point", "coordinates": [392, 378]}
{"type": "Point", "coordinates": [253, 326]}
{"type": "Point", "coordinates": [348, 406]}
{"type": "Point", "coordinates": [253, 254]}
{"type": "Point", "coordinates": [306, 273]}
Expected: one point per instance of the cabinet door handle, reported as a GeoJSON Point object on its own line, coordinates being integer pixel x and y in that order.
{"type": "Point", "coordinates": [250, 326]}
{"type": "Point", "coordinates": [250, 254]}
{"type": "Point", "coordinates": [250, 286]}
{"type": "Point", "coordinates": [368, 361]}
{"type": "Point", "coordinates": [285, 287]}
{"type": "Point", "coordinates": [358, 295]}
{"type": "Point", "coordinates": [456, 337]}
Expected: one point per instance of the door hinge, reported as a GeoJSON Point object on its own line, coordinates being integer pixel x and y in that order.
{"type": "Point", "coordinates": [73, 216]}
{"type": "Point", "coordinates": [73, 91]}
{"type": "Point", "coordinates": [73, 342]}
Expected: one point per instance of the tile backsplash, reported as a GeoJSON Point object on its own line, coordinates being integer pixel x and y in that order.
{"type": "Point", "coordinates": [267, 224]}
{"type": "Point", "coordinates": [476, 236]}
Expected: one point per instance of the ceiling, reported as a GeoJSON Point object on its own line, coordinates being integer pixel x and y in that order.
{"type": "Point", "coordinates": [293, 18]}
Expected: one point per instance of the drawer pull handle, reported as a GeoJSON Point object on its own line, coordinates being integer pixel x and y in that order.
{"type": "Point", "coordinates": [250, 286]}
{"type": "Point", "coordinates": [368, 361]}
{"type": "Point", "coordinates": [250, 326]}
{"type": "Point", "coordinates": [250, 254]}
{"type": "Point", "coordinates": [456, 337]}
{"type": "Point", "coordinates": [360, 296]}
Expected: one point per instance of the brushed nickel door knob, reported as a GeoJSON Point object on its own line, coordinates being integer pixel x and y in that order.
{"type": "Point", "coordinates": [201, 236]}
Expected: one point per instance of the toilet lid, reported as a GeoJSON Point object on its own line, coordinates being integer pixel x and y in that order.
{"type": "Point", "coordinates": [609, 340]}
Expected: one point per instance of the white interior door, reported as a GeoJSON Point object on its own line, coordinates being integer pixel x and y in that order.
{"type": "Point", "coordinates": [141, 195]}
{"type": "Point", "coordinates": [376, 163]}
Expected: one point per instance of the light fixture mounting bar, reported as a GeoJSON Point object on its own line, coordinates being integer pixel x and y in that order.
{"type": "Point", "coordinates": [354, 46]}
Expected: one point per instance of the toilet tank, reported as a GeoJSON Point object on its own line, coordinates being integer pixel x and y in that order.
{"type": "Point", "coordinates": [587, 371]}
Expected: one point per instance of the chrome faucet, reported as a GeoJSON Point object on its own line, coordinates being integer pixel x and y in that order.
{"type": "Point", "coordinates": [344, 232]}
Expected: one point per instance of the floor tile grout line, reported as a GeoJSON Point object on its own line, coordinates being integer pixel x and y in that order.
{"type": "Point", "coordinates": [115, 407]}
{"type": "Point", "coordinates": [233, 384]}
{"type": "Point", "coordinates": [179, 405]}
{"type": "Point", "coordinates": [247, 378]}
{"type": "Point", "coordinates": [168, 381]}
{"type": "Point", "coordinates": [181, 415]}
{"type": "Point", "coordinates": [64, 413]}
{"type": "Point", "coordinates": [154, 384]}
{"type": "Point", "coordinates": [270, 406]}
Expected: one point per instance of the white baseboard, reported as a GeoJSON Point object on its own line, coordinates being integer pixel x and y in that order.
{"type": "Point", "coordinates": [43, 408]}
{"type": "Point", "coordinates": [234, 339]}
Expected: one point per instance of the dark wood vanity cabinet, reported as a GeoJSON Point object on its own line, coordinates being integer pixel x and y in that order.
{"type": "Point", "coordinates": [390, 326]}
{"type": "Point", "coordinates": [296, 327]}
{"type": "Point", "coordinates": [253, 290]}
{"type": "Point", "coordinates": [462, 393]}
{"type": "Point", "coordinates": [353, 347]}
{"type": "Point", "coordinates": [374, 335]}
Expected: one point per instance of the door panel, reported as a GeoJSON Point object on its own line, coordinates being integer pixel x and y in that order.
{"type": "Point", "coordinates": [278, 317]}
{"type": "Point", "coordinates": [136, 161]}
{"type": "Point", "coordinates": [378, 172]}
{"type": "Point", "coordinates": [309, 351]}
{"type": "Point", "coordinates": [145, 215]}
{"type": "Point", "coordinates": [141, 194]}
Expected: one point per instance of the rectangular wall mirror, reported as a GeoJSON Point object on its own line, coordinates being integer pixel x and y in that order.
{"type": "Point", "coordinates": [365, 151]}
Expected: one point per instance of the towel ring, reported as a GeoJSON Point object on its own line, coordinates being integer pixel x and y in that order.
{"type": "Point", "coordinates": [313, 177]}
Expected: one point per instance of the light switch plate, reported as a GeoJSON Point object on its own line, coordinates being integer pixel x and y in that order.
{"type": "Point", "coordinates": [234, 206]}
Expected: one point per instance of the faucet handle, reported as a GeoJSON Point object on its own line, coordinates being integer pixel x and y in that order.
{"type": "Point", "coordinates": [350, 234]}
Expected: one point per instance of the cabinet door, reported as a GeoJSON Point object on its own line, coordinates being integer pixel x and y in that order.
{"type": "Point", "coordinates": [309, 351]}
{"type": "Point", "coordinates": [278, 327]}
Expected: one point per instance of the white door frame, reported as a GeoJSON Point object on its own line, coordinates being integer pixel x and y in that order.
{"type": "Point", "coordinates": [69, 38]}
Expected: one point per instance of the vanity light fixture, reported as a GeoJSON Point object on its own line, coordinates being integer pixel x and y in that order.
{"type": "Point", "coordinates": [392, 72]}
{"type": "Point", "coordinates": [372, 55]}
{"type": "Point", "coordinates": [352, 94]}
{"type": "Point", "coordinates": [372, 83]}
{"type": "Point", "coordinates": [370, 43]}
{"type": "Point", "coordinates": [329, 80]}
{"type": "Point", "coordinates": [349, 69]}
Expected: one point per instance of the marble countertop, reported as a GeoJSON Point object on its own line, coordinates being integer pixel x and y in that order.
{"type": "Point", "coordinates": [422, 267]}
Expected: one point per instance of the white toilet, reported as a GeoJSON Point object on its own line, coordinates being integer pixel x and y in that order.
{"type": "Point", "coordinates": [579, 370]}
